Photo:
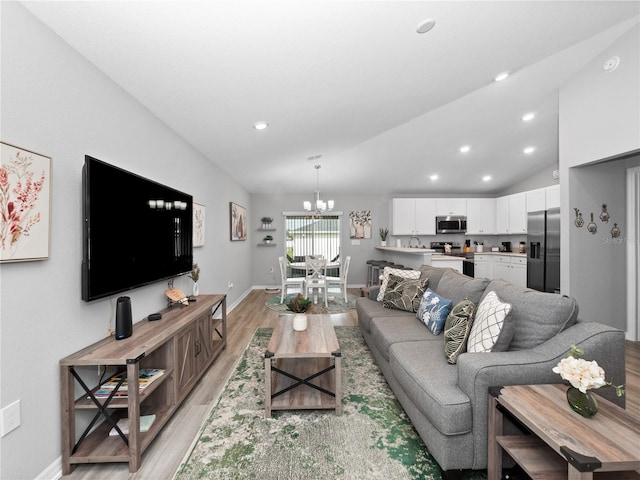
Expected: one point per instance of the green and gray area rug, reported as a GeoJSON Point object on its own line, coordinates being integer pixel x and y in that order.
{"type": "Point", "coordinates": [373, 439]}
{"type": "Point", "coordinates": [336, 304]}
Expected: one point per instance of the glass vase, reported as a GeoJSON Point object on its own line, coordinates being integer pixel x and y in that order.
{"type": "Point", "coordinates": [583, 403]}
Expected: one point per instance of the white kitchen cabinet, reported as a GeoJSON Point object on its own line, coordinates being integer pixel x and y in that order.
{"type": "Point", "coordinates": [451, 206]}
{"type": "Point", "coordinates": [413, 216]}
{"type": "Point", "coordinates": [536, 200]}
{"type": "Point", "coordinates": [511, 269]}
{"type": "Point", "coordinates": [511, 214]}
{"type": "Point", "coordinates": [482, 266]}
{"type": "Point", "coordinates": [481, 216]}
{"type": "Point", "coordinates": [552, 196]}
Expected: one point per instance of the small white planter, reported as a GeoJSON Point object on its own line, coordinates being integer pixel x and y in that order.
{"type": "Point", "coordinates": [300, 322]}
{"type": "Point", "coordinates": [383, 243]}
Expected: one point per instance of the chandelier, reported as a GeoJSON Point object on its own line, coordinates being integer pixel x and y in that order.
{"type": "Point", "coordinates": [318, 206]}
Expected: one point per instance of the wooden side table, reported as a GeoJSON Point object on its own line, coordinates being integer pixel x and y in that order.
{"type": "Point", "coordinates": [561, 443]}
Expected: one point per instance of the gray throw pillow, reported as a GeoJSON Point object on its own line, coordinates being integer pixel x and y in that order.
{"type": "Point", "coordinates": [403, 293]}
{"type": "Point", "coordinates": [457, 329]}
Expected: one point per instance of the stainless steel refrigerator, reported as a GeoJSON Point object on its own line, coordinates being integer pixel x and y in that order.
{"type": "Point", "coordinates": [543, 256]}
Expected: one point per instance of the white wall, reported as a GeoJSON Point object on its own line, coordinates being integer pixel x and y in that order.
{"type": "Point", "coordinates": [599, 119]}
{"type": "Point", "coordinates": [55, 103]}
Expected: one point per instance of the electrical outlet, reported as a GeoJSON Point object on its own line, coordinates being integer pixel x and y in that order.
{"type": "Point", "coordinates": [10, 418]}
{"type": "Point", "coordinates": [271, 270]}
{"type": "Point", "coordinates": [230, 285]}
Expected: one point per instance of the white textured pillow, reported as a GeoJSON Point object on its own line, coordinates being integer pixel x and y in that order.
{"type": "Point", "coordinates": [487, 324]}
{"type": "Point", "coordinates": [410, 274]}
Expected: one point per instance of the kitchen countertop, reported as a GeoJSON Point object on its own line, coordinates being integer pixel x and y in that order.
{"type": "Point", "coordinates": [439, 257]}
{"type": "Point", "coordinates": [508, 254]}
{"type": "Point", "coordinates": [415, 251]}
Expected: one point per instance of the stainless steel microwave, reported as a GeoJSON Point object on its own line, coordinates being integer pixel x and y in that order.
{"type": "Point", "coordinates": [451, 224]}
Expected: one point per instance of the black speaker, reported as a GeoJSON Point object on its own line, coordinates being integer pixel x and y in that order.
{"type": "Point", "coordinates": [124, 323]}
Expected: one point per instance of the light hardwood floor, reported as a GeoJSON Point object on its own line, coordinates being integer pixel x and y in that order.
{"type": "Point", "coordinates": [170, 447]}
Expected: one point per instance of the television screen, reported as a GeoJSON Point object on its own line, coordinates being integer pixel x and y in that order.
{"type": "Point", "coordinates": [136, 231]}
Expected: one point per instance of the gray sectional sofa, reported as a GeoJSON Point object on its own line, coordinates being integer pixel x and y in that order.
{"type": "Point", "coordinates": [447, 403]}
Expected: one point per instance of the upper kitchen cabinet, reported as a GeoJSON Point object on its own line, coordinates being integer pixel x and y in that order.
{"type": "Point", "coordinates": [413, 216]}
{"type": "Point", "coordinates": [481, 216]}
{"type": "Point", "coordinates": [451, 206]}
{"type": "Point", "coordinates": [536, 200]}
{"type": "Point", "coordinates": [552, 195]}
{"type": "Point", "coordinates": [543, 198]}
{"type": "Point", "coordinates": [511, 214]}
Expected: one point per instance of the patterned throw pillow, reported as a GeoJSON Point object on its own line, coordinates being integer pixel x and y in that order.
{"type": "Point", "coordinates": [403, 293]}
{"type": "Point", "coordinates": [413, 274]}
{"type": "Point", "coordinates": [433, 311]}
{"type": "Point", "coordinates": [457, 329]}
{"type": "Point", "coordinates": [488, 324]}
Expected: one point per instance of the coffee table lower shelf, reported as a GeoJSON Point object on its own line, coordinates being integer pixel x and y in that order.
{"type": "Point", "coordinates": [540, 462]}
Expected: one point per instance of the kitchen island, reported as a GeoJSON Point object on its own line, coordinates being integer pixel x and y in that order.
{"type": "Point", "coordinates": [415, 257]}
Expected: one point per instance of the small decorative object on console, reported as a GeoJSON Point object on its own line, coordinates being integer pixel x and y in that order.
{"type": "Point", "coordinates": [583, 376]}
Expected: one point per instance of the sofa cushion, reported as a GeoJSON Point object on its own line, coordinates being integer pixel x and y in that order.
{"type": "Point", "coordinates": [434, 274]}
{"type": "Point", "coordinates": [457, 329]}
{"type": "Point", "coordinates": [487, 333]}
{"type": "Point", "coordinates": [394, 271]}
{"type": "Point", "coordinates": [432, 384]}
{"type": "Point", "coordinates": [433, 311]}
{"type": "Point", "coordinates": [457, 287]}
{"type": "Point", "coordinates": [370, 309]}
{"type": "Point", "coordinates": [537, 316]}
{"type": "Point", "coordinates": [386, 331]}
{"type": "Point", "coordinates": [404, 293]}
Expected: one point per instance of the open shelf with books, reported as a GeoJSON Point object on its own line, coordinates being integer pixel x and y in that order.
{"type": "Point", "coordinates": [148, 374]}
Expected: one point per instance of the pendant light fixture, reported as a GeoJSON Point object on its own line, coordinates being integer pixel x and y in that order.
{"type": "Point", "coordinates": [318, 206]}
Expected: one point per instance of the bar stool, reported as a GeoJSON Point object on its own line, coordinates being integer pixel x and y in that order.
{"type": "Point", "coordinates": [378, 266]}
{"type": "Point", "coordinates": [373, 267]}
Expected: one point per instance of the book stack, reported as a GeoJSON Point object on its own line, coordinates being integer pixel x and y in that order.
{"type": "Point", "coordinates": [146, 377]}
{"type": "Point", "coordinates": [123, 424]}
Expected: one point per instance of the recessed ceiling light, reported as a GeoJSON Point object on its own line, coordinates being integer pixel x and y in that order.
{"type": "Point", "coordinates": [500, 76]}
{"type": "Point", "coordinates": [529, 150]}
{"type": "Point", "coordinates": [434, 176]}
{"type": "Point", "coordinates": [486, 178]}
{"type": "Point", "coordinates": [426, 25]}
{"type": "Point", "coordinates": [528, 116]}
{"type": "Point", "coordinates": [465, 149]}
{"type": "Point", "coordinates": [260, 125]}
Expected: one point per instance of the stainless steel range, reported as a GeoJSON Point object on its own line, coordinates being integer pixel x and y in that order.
{"type": "Point", "coordinates": [455, 250]}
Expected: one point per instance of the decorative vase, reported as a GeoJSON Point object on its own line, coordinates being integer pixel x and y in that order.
{"type": "Point", "coordinates": [196, 289]}
{"type": "Point", "coordinates": [300, 322]}
{"type": "Point", "coordinates": [583, 403]}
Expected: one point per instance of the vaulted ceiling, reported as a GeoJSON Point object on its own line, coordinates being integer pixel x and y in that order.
{"type": "Point", "coordinates": [352, 81]}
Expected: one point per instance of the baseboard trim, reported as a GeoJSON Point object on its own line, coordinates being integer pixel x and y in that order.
{"type": "Point", "coordinates": [52, 472]}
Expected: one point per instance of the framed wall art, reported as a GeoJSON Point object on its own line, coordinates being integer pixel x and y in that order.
{"type": "Point", "coordinates": [198, 224]}
{"type": "Point", "coordinates": [360, 224]}
{"type": "Point", "coordinates": [238, 218]}
{"type": "Point", "coordinates": [25, 204]}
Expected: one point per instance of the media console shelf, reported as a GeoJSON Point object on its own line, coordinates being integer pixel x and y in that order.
{"type": "Point", "coordinates": [183, 343]}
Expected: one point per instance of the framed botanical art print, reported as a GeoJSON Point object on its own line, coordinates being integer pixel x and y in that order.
{"type": "Point", "coordinates": [238, 217]}
{"type": "Point", "coordinates": [198, 224]}
{"type": "Point", "coordinates": [25, 204]}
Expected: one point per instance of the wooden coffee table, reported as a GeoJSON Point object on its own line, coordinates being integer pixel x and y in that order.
{"type": "Point", "coordinates": [562, 444]}
{"type": "Point", "coordinates": [303, 369]}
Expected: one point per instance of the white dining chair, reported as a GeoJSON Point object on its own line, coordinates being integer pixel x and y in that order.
{"type": "Point", "coordinates": [287, 282]}
{"type": "Point", "coordinates": [340, 281]}
{"type": "Point", "coordinates": [315, 279]}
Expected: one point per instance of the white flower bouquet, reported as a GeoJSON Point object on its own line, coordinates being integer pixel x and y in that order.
{"type": "Point", "coordinates": [582, 374]}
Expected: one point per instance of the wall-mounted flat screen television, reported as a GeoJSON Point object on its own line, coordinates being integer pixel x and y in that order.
{"type": "Point", "coordinates": [136, 231]}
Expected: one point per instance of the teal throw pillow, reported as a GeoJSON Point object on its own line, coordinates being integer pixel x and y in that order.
{"type": "Point", "coordinates": [433, 311]}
